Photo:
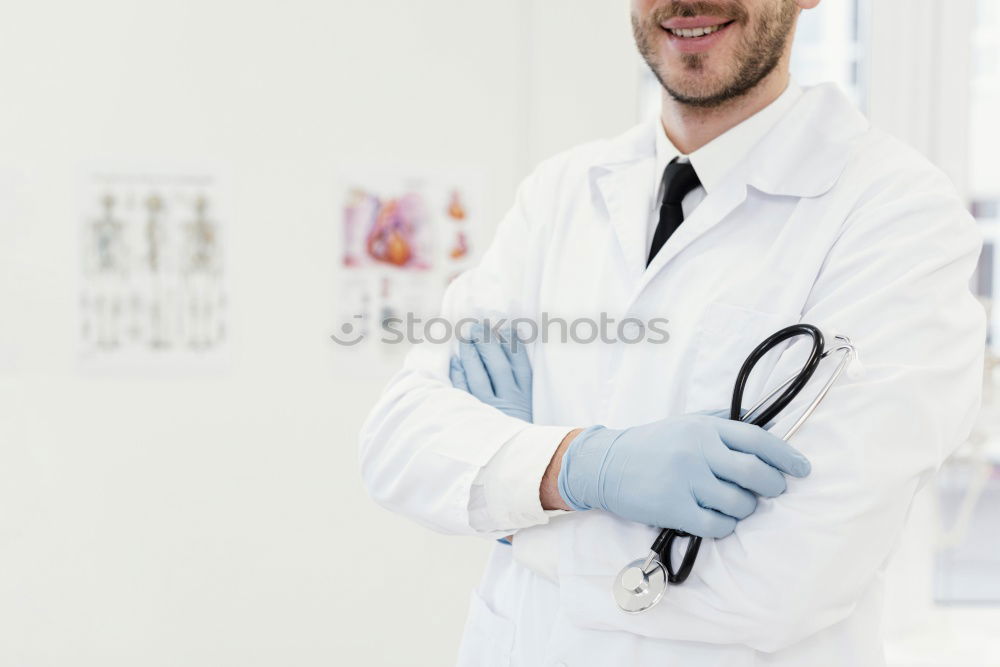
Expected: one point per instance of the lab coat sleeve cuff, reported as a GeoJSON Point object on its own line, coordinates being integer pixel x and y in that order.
{"type": "Point", "coordinates": [512, 478]}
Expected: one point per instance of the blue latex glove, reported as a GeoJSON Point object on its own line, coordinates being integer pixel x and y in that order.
{"type": "Point", "coordinates": [498, 373]}
{"type": "Point", "coordinates": [695, 473]}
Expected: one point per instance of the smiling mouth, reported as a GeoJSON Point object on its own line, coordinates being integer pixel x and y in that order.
{"type": "Point", "coordinates": [692, 33]}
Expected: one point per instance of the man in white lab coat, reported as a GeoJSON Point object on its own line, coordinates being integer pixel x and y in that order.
{"type": "Point", "coordinates": [795, 211]}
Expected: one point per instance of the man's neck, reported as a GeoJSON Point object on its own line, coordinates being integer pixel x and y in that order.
{"type": "Point", "coordinates": [690, 128]}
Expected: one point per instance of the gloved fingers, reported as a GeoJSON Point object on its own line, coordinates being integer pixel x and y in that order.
{"type": "Point", "coordinates": [721, 413]}
{"type": "Point", "coordinates": [497, 366]}
{"type": "Point", "coordinates": [515, 409]}
{"type": "Point", "coordinates": [709, 523]}
{"type": "Point", "coordinates": [725, 497]}
{"type": "Point", "coordinates": [517, 355]}
{"type": "Point", "coordinates": [507, 342]}
{"type": "Point", "coordinates": [457, 375]}
{"type": "Point", "coordinates": [746, 471]}
{"type": "Point", "coordinates": [766, 446]}
{"type": "Point", "coordinates": [475, 373]}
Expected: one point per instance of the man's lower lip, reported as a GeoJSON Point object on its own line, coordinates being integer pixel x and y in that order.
{"type": "Point", "coordinates": [694, 44]}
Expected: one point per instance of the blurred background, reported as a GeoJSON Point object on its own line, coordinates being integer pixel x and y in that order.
{"type": "Point", "coordinates": [195, 195]}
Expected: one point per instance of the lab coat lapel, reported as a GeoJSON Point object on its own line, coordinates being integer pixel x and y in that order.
{"type": "Point", "coordinates": [802, 156]}
{"type": "Point", "coordinates": [623, 180]}
{"type": "Point", "coordinates": [627, 194]}
{"type": "Point", "coordinates": [807, 151]}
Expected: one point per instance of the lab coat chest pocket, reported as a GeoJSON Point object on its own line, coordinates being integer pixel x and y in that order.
{"type": "Point", "coordinates": [724, 337]}
{"type": "Point", "coordinates": [488, 639]}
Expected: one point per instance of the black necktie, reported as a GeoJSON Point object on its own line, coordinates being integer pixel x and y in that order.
{"type": "Point", "coordinates": [679, 179]}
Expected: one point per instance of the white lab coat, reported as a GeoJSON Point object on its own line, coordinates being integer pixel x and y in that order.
{"type": "Point", "coordinates": [826, 221]}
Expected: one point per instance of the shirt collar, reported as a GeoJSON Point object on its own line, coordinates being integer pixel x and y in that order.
{"type": "Point", "coordinates": [713, 160]}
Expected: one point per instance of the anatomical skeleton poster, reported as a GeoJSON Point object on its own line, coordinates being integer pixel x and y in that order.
{"type": "Point", "coordinates": [152, 267]}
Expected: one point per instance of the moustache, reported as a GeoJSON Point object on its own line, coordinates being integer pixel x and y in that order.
{"type": "Point", "coordinates": [734, 11]}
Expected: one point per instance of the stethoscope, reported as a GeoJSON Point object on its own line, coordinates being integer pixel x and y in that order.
{"type": "Point", "coordinates": [642, 583]}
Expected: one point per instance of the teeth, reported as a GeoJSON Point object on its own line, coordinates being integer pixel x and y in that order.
{"type": "Point", "coordinates": [695, 32]}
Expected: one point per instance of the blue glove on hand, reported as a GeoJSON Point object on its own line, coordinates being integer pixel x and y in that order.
{"type": "Point", "coordinates": [694, 473]}
{"type": "Point", "coordinates": [497, 372]}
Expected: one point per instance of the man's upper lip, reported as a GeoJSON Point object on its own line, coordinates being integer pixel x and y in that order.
{"type": "Point", "coordinates": [694, 22]}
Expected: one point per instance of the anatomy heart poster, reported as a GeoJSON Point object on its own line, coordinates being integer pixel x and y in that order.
{"type": "Point", "coordinates": [403, 237]}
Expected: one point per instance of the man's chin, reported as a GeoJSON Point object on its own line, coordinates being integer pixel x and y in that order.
{"type": "Point", "coordinates": [703, 93]}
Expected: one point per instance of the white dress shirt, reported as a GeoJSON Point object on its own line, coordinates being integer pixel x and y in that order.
{"type": "Point", "coordinates": [505, 492]}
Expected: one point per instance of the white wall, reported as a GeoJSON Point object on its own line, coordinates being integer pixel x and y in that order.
{"type": "Point", "coordinates": [219, 520]}
{"type": "Point", "coordinates": [583, 73]}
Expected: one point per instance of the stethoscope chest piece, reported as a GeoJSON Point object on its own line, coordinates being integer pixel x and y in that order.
{"type": "Point", "coordinates": [640, 585]}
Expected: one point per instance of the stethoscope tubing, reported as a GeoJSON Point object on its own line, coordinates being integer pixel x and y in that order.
{"type": "Point", "coordinates": [775, 401]}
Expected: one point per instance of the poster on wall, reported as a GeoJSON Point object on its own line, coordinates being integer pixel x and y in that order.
{"type": "Point", "coordinates": [403, 238]}
{"type": "Point", "coordinates": [152, 289]}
